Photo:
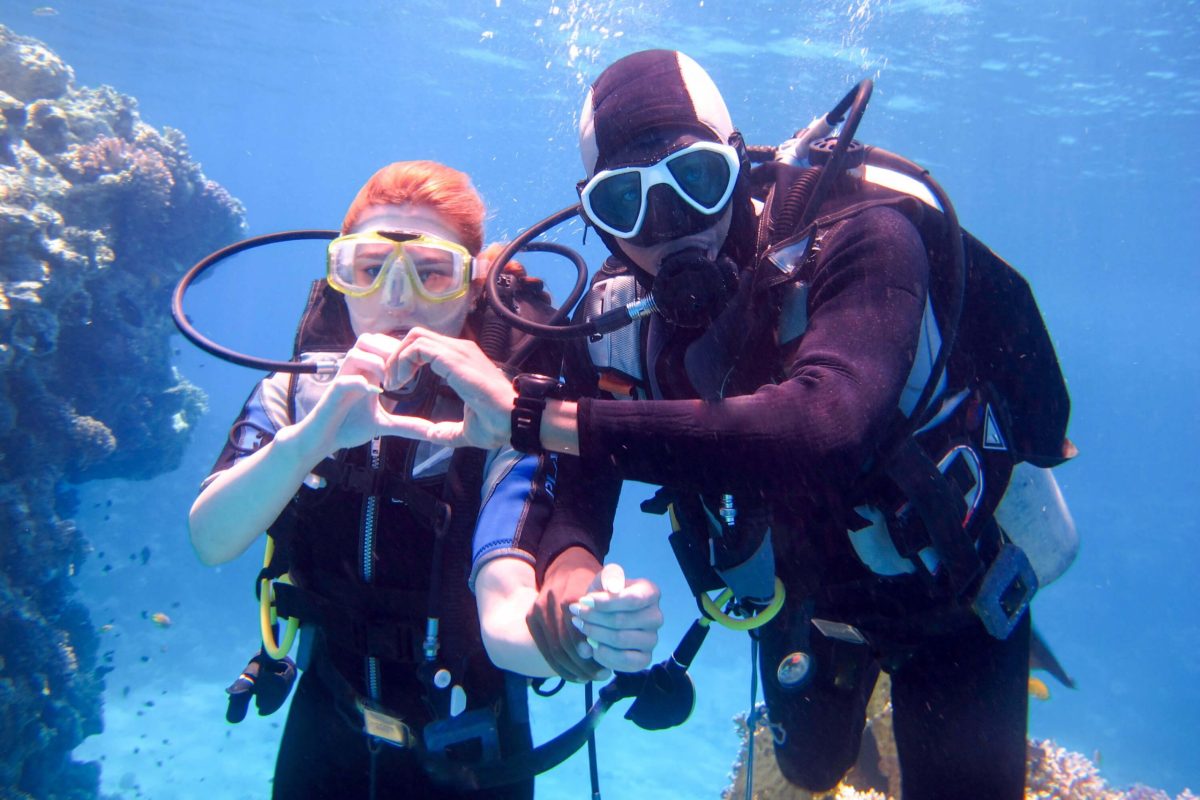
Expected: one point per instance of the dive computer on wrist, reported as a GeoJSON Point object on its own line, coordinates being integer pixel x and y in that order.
{"type": "Point", "coordinates": [532, 392]}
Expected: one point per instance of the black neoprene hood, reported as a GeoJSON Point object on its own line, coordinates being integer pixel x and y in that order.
{"type": "Point", "coordinates": [644, 94]}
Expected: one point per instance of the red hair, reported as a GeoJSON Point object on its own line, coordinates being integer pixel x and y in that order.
{"type": "Point", "coordinates": [514, 268]}
{"type": "Point", "coordinates": [435, 186]}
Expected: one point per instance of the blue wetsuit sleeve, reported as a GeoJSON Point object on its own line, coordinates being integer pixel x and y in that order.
{"type": "Point", "coordinates": [518, 499]}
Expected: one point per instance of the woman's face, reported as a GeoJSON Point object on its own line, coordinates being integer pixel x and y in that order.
{"type": "Point", "coordinates": [395, 312]}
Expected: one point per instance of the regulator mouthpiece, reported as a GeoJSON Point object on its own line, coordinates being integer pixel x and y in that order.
{"type": "Point", "coordinates": [691, 289]}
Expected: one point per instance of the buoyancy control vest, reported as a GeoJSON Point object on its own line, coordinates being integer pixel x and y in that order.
{"type": "Point", "coordinates": [993, 424]}
{"type": "Point", "coordinates": [396, 620]}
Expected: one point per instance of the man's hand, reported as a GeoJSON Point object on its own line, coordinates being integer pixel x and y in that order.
{"type": "Point", "coordinates": [619, 619]}
{"type": "Point", "coordinates": [568, 578]}
{"type": "Point", "coordinates": [486, 392]}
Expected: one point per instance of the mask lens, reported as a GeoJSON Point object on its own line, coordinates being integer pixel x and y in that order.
{"type": "Point", "coordinates": [702, 174]}
{"type": "Point", "coordinates": [616, 200]}
{"type": "Point", "coordinates": [438, 272]}
{"type": "Point", "coordinates": [354, 265]}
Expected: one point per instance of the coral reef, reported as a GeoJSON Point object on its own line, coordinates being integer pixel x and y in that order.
{"type": "Point", "coordinates": [99, 215]}
{"type": "Point", "coordinates": [1052, 772]}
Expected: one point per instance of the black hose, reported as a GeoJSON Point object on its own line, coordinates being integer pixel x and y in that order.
{"type": "Point", "coordinates": [494, 337]}
{"type": "Point", "coordinates": [548, 329]}
{"type": "Point", "coordinates": [856, 101]}
{"type": "Point", "coordinates": [195, 337]}
{"type": "Point", "coordinates": [795, 202]}
{"type": "Point", "coordinates": [269, 365]}
{"type": "Point", "coordinates": [761, 153]}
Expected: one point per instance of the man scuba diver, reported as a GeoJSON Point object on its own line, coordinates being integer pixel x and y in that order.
{"type": "Point", "coordinates": [820, 444]}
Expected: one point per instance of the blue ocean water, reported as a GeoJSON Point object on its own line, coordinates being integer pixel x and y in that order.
{"type": "Point", "coordinates": [1064, 130]}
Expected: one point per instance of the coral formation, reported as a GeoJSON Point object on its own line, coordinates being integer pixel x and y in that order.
{"type": "Point", "coordinates": [1052, 772]}
{"type": "Point", "coordinates": [99, 215]}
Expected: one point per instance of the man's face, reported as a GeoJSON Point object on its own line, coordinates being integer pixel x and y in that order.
{"type": "Point", "coordinates": [650, 257]}
{"type": "Point", "coordinates": [670, 225]}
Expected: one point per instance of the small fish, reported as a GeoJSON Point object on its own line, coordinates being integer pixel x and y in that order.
{"type": "Point", "coordinates": [45, 11]}
{"type": "Point", "coordinates": [1038, 688]}
{"type": "Point", "coordinates": [106, 628]}
{"type": "Point", "coordinates": [160, 619]}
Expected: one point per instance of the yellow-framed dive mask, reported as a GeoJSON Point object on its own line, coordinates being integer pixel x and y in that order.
{"type": "Point", "coordinates": [360, 264]}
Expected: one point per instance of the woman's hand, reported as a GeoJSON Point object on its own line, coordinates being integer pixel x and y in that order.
{"type": "Point", "coordinates": [350, 412]}
{"type": "Point", "coordinates": [620, 620]}
{"type": "Point", "coordinates": [486, 392]}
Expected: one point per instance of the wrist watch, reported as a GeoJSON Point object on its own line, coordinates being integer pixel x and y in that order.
{"type": "Point", "coordinates": [532, 392]}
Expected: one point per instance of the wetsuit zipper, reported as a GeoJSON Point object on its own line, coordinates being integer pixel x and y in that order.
{"type": "Point", "coordinates": [370, 522]}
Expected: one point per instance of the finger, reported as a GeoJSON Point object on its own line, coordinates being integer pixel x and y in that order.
{"type": "Point", "coordinates": [637, 595]}
{"type": "Point", "coordinates": [460, 362]}
{"type": "Point", "coordinates": [565, 660]}
{"type": "Point", "coordinates": [576, 659]}
{"type": "Point", "coordinates": [610, 578]}
{"type": "Point", "coordinates": [430, 344]}
{"type": "Point", "coordinates": [617, 638]}
{"type": "Point", "coordinates": [401, 369]}
{"type": "Point", "coordinates": [646, 619]}
{"type": "Point", "coordinates": [450, 434]}
{"type": "Point", "coordinates": [623, 660]}
{"type": "Point", "coordinates": [352, 387]}
{"type": "Point", "coordinates": [361, 362]}
{"type": "Point", "coordinates": [418, 333]}
{"type": "Point", "coordinates": [379, 344]}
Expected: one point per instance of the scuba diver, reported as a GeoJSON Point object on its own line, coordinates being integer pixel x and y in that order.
{"type": "Point", "coordinates": [376, 543]}
{"type": "Point", "coordinates": [837, 388]}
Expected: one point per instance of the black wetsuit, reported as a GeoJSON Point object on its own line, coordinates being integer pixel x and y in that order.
{"type": "Point", "coordinates": [801, 441]}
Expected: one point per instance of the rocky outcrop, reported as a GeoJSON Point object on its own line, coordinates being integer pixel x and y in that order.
{"type": "Point", "coordinates": [99, 215]}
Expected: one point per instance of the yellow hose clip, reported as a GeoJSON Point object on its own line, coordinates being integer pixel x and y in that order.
{"type": "Point", "coordinates": [266, 612]}
{"type": "Point", "coordinates": [713, 609]}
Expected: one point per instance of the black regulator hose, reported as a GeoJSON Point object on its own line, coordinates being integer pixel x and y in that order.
{"type": "Point", "coordinates": [855, 103]}
{"type": "Point", "coordinates": [761, 153]}
{"type": "Point", "coordinates": [548, 330]}
{"type": "Point", "coordinates": [203, 265]}
{"type": "Point", "coordinates": [494, 335]}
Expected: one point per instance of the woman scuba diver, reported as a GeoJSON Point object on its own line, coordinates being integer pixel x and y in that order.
{"type": "Point", "coordinates": [379, 541]}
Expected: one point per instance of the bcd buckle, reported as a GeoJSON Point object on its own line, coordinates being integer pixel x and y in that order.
{"type": "Point", "coordinates": [1004, 594]}
{"type": "Point", "coordinates": [385, 727]}
{"type": "Point", "coordinates": [471, 736]}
